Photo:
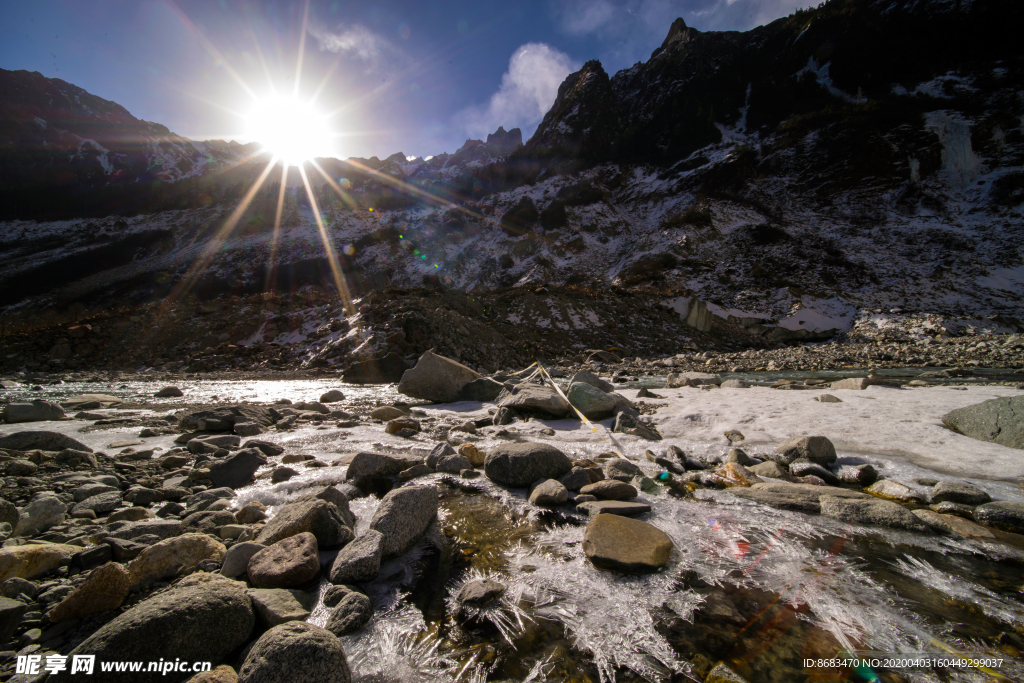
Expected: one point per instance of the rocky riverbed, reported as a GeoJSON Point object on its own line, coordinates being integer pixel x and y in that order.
{"type": "Point", "coordinates": [700, 525]}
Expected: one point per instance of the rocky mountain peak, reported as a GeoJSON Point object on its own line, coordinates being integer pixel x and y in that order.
{"type": "Point", "coordinates": [503, 143]}
{"type": "Point", "coordinates": [679, 33]}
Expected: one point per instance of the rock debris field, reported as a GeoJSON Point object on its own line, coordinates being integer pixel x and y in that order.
{"type": "Point", "coordinates": [459, 526]}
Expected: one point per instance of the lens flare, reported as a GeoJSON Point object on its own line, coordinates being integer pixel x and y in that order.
{"type": "Point", "coordinates": [292, 130]}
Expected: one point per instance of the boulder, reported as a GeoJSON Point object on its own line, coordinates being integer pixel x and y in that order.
{"type": "Point", "coordinates": [237, 470]}
{"type": "Point", "coordinates": [999, 420]}
{"type": "Point", "coordinates": [101, 503]}
{"type": "Point", "coordinates": [169, 392]}
{"type": "Point", "coordinates": [252, 512]}
{"type": "Point", "coordinates": [317, 517]}
{"type": "Point", "coordinates": [161, 528]}
{"type": "Point", "coordinates": [769, 468]}
{"type": "Point", "coordinates": [201, 621]}
{"type": "Point", "coordinates": [72, 458]}
{"type": "Point", "coordinates": [211, 443]}
{"type": "Point", "coordinates": [386, 413]}
{"type": "Point", "coordinates": [402, 423]}
{"type": "Point", "coordinates": [296, 652]}
{"type": "Point", "coordinates": [549, 492]}
{"type": "Point", "coordinates": [268, 449]}
{"type": "Point", "coordinates": [623, 544]}
{"type": "Point", "coordinates": [613, 507]}
{"type": "Point", "coordinates": [11, 612]}
{"type": "Point", "coordinates": [587, 377]}
{"type": "Point", "coordinates": [828, 398]}
{"type": "Point", "coordinates": [610, 489]}
{"type": "Point", "coordinates": [864, 474]}
{"type": "Point", "coordinates": [312, 407]}
{"type": "Point", "coordinates": [534, 400]}
{"type": "Point", "coordinates": [453, 464]}
{"type": "Point", "coordinates": [105, 588]}
{"type": "Point", "coordinates": [436, 378]}
{"type": "Point", "coordinates": [332, 396]}
{"type": "Point", "coordinates": [484, 389]}
{"type": "Point", "coordinates": [40, 514]}
{"type": "Point", "coordinates": [403, 516]}
{"type": "Point", "coordinates": [478, 593]}
{"type": "Point", "coordinates": [817, 449]}
{"type": "Point", "coordinates": [359, 561]}
{"type": "Point", "coordinates": [953, 525]}
{"type": "Point", "coordinates": [218, 674]}
{"type": "Point", "coordinates": [799, 497]}
{"type": "Point", "coordinates": [207, 521]}
{"type": "Point", "coordinates": [9, 513]}
{"type": "Point", "coordinates": [336, 498]}
{"type": "Point", "coordinates": [36, 411]}
{"type": "Point", "coordinates": [520, 464]}
{"type": "Point", "coordinates": [1002, 514]}
{"type": "Point", "coordinates": [577, 478]}
{"type": "Point", "coordinates": [622, 470]}
{"type": "Point", "coordinates": [223, 419]}
{"type": "Point", "coordinates": [872, 512]}
{"type": "Point", "coordinates": [236, 559]}
{"type": "Point", "coordinates": [276, 606]}
{"type": "Point", "coordinates": [893, 490]}
{"type": "Point", "coordinates": [959, 492]}
{"type": "Point", "coordinates": [376, 370]}
{"type": "Point", "coordinates": [30, 561]}
{"type": "Point", "coordinates": [173, 557]}
{"type": "Point", "coordinates": [628, 424]}
{"type": "Point", "coordinates": [802, 468]}
{"type": "Point", "coordinates": [351, 613]}
{"type": "Point", "coordinates": [853, 383]}
{"type": "Point", "coordinates": [42, 441]}
{"type": "Point", "coordinates": [594, 403]}
{"type": "Point", "coordinates": [691, 379]}
{"type": "Point", "coordinates": [290, 562]}
{"type": "Point", "coordinates": [366, 467]}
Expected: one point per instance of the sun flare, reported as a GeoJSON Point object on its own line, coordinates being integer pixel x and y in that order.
{"type": "Point", "coordinates": [292, 130]}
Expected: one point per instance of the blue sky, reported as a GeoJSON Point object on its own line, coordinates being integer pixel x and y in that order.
{"type": "Point", "coordinates": [416, 77]}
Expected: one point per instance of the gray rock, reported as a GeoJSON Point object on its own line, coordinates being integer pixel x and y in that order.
{"type": "Point", "coordinates": [594, 403]}
{"type": "Point", "coordinates": [577, 478]}
{"type": "Point", "coordinates": [692, 379]}
{"type": "Point", "coordinates": [20, 468]}
{"type": "Point", "coordinates": [622, 470]}
{"type": "Point", "coordinates": [36, 411]}
{"type": "Point", "coordinates": [318, 517]}
{"type": "Point", "coordinates": [587, 377]}
{"type": "Point", "coordinates": [814, 448]}
{"type": "Point", "coordinates": [999, 420]}
{"type": "Point", "coordinates": [197, 621]}
{"type": "Point", "coordinates": [828, 398]}
{"type": "Point", "coordinates": [1003, 514]}
{"type": "Point", "coordinates": [296, 652]}
{"type": "Point", "coordinates": [414, 472]}
{"type": "Point", "coordinates": [100, 503]}
{"type": "Point", "coordinates": [436, 378]}
{"type": "Point", "coordinates": [453, 464]}
{"type": "Point", "coordinates": [90, 489]}
{"type": "Point", "coordinates": [366, 467]}
{"type": "Point", "coordinates": [225, 417]}
{"type": "Point", "coordinates": [338, 499]}
{"type": "Point", "coordinates": [520, 464]}
{"type": "Point", "coordinates": [351, 613]}
{"type": "Point", "coordinates": [11, 612]}
{"type": "Point", "coordinates": [359, 561]}
{"type": "Point", "coordinates": [207, 521]}
{"type": "Point", "coordinates": [484, 389]}
{"type": "Point", "coordinates": [203, 499]}
{"type": "Point", "coordinates": [12, 588]}
{"type": "Point", "coordinates": [610, 489]}
{"type": "Point", "coordinates": [952, 525]}
{"type": "Point", "coordinates": [236, 559]}
{"type": "Point", "coordinates": [739, 456]}
{"type": "Point", "coordinates": [803, 468]}
{"type": "Point", "coordinates": [959, 492]}
{"type": "Point", "coordinates": [440, 449]}
{"type": "Point", "coordinates": [9, 513]}
{"type": "Point", "coordinates": [623, 544]}
{"type": "Point", "coordinates": [403, 516]}
{"type": "Point", "coordinates": [212, 443]}
{"type": "Point", "coordinates": [534, 400]}
{"type": "Point", "coordinates": [41, 440]}
{"type": "Point", "coordinates": [855, 383]}
{"type": "Point", "coordinates": [786, 496]}
{"type": "Point", "coordinates": [268, 449]}
{"type": "Point", "coordinates": [950, 508]}
{"type": "Point", "coordinates": [237, 470]}
{"type": "Point", "coordinates": [39, 515]}
{"type": "Point", "coordinates": [479, 592]}
{"type": "Point", "coordinates": [168, 392]}
{"type": "Point", "coordinates": [769, 468]}
{"type": "Point", "coordinates": [288, 563]}
{"type": "Point", "coordinates": [893, 490]}
{"type": "Point", "coordinates": [613, 507]}
{"type": "Point", "coordinates": [864, 475]}
{"type": "Point", "coordinates": [629, 424]}
{"type": "Point", "coordinates": [549, 492]}
{"type": "Point", "coordinates": [246, 428]}
{"type": "Point", "coordinates": [872, 512]}
{"type": "Point", "coordinates": [161, 528]}
{"type": "Point", "coordinates": [332, 396]}
{"type": "Point", "coordinates": [275, 606]}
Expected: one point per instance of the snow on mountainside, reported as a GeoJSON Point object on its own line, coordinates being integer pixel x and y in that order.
{"type": "Point", "coordinates": [858, 159]}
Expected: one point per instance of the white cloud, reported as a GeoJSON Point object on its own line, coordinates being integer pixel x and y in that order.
{"type": "Point", "coordinates": [357, 41]}
{"type": "Point", "coordinates": [528, 89]}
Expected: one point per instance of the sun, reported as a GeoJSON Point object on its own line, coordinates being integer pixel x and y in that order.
{"type": "Point", "coordinates": [290, 129]}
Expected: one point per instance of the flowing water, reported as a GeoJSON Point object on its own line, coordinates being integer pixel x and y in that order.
{"type": "Point", "coordinates": [768, 592]}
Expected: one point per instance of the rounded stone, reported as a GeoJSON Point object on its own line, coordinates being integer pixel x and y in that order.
{"type": "Point", "coordinates": [296, 652]}
{"type": "Point", "coordinates": [521, 464]}
{"type": "Point", "coordinates": [290, 562]}
{"type": "Point", "coordinates": [625, 544]}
